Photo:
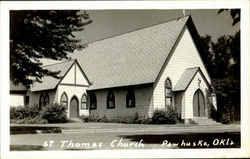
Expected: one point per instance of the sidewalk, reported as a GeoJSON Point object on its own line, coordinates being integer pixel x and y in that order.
{"type": "Point", "coordinates": [117, 127]}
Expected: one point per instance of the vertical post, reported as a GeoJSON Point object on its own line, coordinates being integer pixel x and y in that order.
{"type": "Point", "coordinates": [183, 12]}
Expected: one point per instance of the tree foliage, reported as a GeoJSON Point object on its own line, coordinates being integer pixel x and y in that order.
{"type": "Point", "coordinates": [235, 14]}
{"type": "Point", "coordinates": [37, 34]}
{"type": "Point", "coordinates": [224, 57]}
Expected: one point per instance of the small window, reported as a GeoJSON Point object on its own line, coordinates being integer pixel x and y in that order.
{"type": "Point", "coordinates": [93, 102]}
{"type": "Point", "coordinates": [130, 99]}
{"type": "Point", "coordinates": [84, 102]}
{"type": "Point", "coordinates": [41, 101]}
{"type": "Point", "coordinates": [110, 100]}
{"type": "Point", "coordinates": [27, 100]}
{"type": "Point", "coordinates": [44, 99]}
{"type": "Point", "coordinates": [168, 92]}
{"type": "Point", "coordinates": [64, 100]}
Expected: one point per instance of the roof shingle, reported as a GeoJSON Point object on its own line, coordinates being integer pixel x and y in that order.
{"type": "Point", "coordinates": [185, 79]}
{"type": "Point", "coordinates": [50, 82]}
{"type": "Point", "coordinates": [129, 59]}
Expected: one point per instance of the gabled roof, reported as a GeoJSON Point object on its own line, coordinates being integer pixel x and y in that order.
{"type": "Point", "coordinates": [132, 58]}
{"type": "Point", "coordinates": [50, 82]}
{"type": "Point", "coordinates": [186, 78]}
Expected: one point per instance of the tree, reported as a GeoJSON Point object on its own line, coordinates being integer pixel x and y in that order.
{"type": "Point", "coordinates": [37, 34]}
{"type": "Point", "coordinates": [224, 57]}
{"type": "Point", "coordinates": [235, 14]}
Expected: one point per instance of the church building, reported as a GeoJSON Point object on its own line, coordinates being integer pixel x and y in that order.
{"type": "Point", "coordinates": [136, 72]}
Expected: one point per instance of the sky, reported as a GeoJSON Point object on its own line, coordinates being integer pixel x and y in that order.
{"type": "Point", "coordinates": [107, 23]}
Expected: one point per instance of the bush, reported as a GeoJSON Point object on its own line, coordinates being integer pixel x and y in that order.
{"type": "Point", "coordinates": [127, 119]}
{"type": "Point", "coordinates": [104, 119]}
{"type": "Point", "coordinates": [226, 115]}
{"type": "Point", "coordinates": [35, 120]}
{"type": "Point", "coordinates": [22, 112]}
{"type": "Point", "coordinates": [54, 113]}
{"type": "Point", "coordinates": [165, 116]}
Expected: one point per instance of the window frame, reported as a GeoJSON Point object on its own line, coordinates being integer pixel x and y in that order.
{"type": "Point", "coordinates": [41, 100]}
{"type": "Point", "coordinates": [109, 99]}
{"type": "Point", "coordinates": [91, 97]}
{"type": "Point", "coordinates": [67, 100]}
{"type": "Point", "coordinates": [130, 94]}
{"type": "Point", "coordinates": [46, 102]}
{"type": "Point", "coordinates": [84, 102]}
{"type": "Point", "coordinates": [168, 96]}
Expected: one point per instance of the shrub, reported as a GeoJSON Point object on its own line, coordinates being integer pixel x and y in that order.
{"type": "Point", "coordinates": [127, 119]}
{"type": "Point", "coordinates": [13, 113]}
{"type": "Point", "coordinates": [54, 113]}
{"type": "Point", "coordinates": [136, 118]}
{"type": "Point", "coordinates": [84, 118]}
{"type": "Point", "coordinates": [165, 116]}
{"type": "Point", "coordinates": [226, 115]}
{"type": "Point", "coordinates": [33, 111]}
{"type": "Point", "coordinates": [104, 119]}
{"type": "Point", "coordinates": [22, 112]}
{"type": "Point", "coordinates": [146, 120]}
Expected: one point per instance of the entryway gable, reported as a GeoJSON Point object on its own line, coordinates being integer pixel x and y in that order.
{"type": "Point", "coordinates": [80, 76]}
{"type": "Point", "coordinates": [197, 84]}
{"type": "Point", "coordinates": [75, 76]}
{"type": "Point", "coordinates": [69, 77]}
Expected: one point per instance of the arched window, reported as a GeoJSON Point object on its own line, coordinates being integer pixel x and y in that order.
{"type": "Point", "coordinates": [93, 102]}
{"type": "Point", "coordinates": [130, 99]}
{"type": "Point", "coordinates": [44, 99]}
{"type": "Point", "coordinates": [41, 101]}
{"type": "Point", "coordinates": [64, 100]}
{"type": "Point", "coordinates": [168, 92]}
{"type": "Point", "coordinates": [84, 102]}
{"type": "Point", "coordinates": [110, 100]}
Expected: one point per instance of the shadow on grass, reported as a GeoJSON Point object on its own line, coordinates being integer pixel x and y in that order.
{"type": "Point", "coordinates": [33, 130]}
{"type": "Point", "coordinates": [26, 148]}
{"type": "Point", "coordinates": [196, 140]}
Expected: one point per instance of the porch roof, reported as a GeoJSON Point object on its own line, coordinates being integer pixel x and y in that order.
{"type": "Point", "coordinates": [185, 79]}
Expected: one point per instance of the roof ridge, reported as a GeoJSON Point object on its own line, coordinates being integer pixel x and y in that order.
{"type": "Point", "coordinates": [192, 68]}
{"type": "Point", "coordinates": [139, 29]}
{"type": "Point", "coordinates": [58, 63]}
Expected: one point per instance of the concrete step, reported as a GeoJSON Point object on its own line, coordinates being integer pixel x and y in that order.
{"type": "Point", "coordinates": [205, 121]}
{"type": "Point", "coordinates": [75, 120]}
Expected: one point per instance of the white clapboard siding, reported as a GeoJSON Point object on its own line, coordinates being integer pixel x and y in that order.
{"type": "Point", "coordinates": [70, 76]}
{"type": "Point", "coordinates": [143, 103]}
{"type": "Point", "coordinates": [187, 113]}
{"type": "Point", "coordinates": [80, 78]}
{"type": "Point", "coordinates": [184, 56]}
{"type": "Point", "coordinates": [72, 91]}
{"type": "Point", "coordinates": [74, 76]}
{"type": "Point", "coordinates": [17, 100]}
{"type": "Point", "coordinates": [35, 97]}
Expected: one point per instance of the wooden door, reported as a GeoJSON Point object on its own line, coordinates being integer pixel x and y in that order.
{"type": "Point", "coordinates": [74, 108]}
{"type": "Point", "coordinates": [198, 104]}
